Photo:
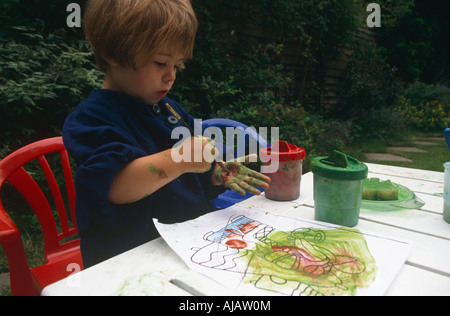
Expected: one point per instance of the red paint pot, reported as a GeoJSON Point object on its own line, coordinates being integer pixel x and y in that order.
{"type": "Point", "coordinates": [286, 179]}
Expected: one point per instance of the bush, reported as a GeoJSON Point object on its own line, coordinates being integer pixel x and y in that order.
{"type": "Point", "coordinates": [413, 32]}
{"type": "Point", "coordinates": [368, 95]}
{"type": "Point", "coordinates": [235, 76]}
{"type": "Point", "coordinates": [425, 106]}
{"type": "Point", "coordinates": [42, 79]}
{"type": "Point", "coordinates": [250, 91]}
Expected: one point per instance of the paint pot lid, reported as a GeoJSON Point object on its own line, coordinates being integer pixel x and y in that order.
{"type": "Point", "coordinates": [284, 151]}
{"type": "Point", "coordinates": [339, 166]}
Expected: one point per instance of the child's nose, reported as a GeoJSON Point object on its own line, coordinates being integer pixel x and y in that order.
{"type": "Point", "coordinates": [171, 75]}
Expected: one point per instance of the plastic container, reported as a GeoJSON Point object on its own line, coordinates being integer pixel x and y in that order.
{"type": "Point", "coordinates": [447, 192]}
{"type": "Point", "coordinates": [407, 199]}
{"type": "Point", "coordinates": [285, 181]}
{"type": "Point", "coordinates": [338, 185]}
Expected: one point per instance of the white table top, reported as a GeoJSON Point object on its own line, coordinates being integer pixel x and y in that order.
{"type": "Point", "coordinates": [154, 269]}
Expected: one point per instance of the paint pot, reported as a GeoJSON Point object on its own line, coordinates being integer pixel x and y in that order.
{"type": "Point", "coordinates": [338, 185]}
{"type": "Point", "coordinates": [285, 181]}
{"type": "Point", "coordinates": [447, 192]}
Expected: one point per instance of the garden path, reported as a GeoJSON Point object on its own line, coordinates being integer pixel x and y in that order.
{"type": "Point", "coordinates": [386, 157]}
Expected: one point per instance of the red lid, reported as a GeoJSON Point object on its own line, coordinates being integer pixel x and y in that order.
{"type": "Point", "coordinates": [286, 152]}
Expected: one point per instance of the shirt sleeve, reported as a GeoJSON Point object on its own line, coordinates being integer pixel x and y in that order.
{"type": "Point", "coordinates": [100, 150]}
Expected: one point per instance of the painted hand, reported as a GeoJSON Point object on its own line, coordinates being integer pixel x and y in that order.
{"type": "Point", "coordinates": [242, 179]}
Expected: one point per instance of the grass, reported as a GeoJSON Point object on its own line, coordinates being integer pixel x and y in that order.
{"type": "Point", "coordinates": [434, 158]}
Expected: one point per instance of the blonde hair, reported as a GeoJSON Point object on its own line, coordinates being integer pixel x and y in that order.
{"type": "Point", "coordinates": [130, 32]}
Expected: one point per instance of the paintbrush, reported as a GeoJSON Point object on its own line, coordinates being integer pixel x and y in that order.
{"type": "Point", "coordinates": [174, 113]}
{"type": "Point", "coordinates": [178, 117]}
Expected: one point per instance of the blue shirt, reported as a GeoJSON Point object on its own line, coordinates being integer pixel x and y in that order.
{"type": "Point", "coordinates": [104, 134]}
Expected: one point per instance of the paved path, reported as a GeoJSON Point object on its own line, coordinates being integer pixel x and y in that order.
{"type": "Point", "coordinates": [385, 157]}
{"type": "Point", "coordinates": [377, 157]}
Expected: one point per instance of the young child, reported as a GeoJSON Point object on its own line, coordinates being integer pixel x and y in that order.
{"type": "Point", "coordinates": [120, 137]}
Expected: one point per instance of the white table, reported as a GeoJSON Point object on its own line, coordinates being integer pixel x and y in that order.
{"type": "Point", "coordinates": [154, 269]}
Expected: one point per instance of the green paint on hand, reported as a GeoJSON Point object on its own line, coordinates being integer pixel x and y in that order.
{"type": "Point", "coordinates": [161, 173]}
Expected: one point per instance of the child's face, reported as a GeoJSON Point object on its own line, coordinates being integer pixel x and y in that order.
{"type": "Point", "coordinates": [150, 82]}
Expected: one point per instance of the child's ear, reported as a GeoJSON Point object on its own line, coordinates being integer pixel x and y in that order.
{"type": "Point", "coordinates": [112, 62]}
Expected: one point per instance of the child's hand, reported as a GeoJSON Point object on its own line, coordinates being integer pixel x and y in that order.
{"type": "Point", "coordinates": [241, 179]}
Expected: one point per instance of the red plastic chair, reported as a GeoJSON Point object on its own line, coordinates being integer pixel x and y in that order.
{"type": "Point", "coordinates": [60, 257]}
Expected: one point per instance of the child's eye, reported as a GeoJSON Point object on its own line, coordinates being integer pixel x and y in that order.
{"type": "Point", "coordinates": [176, 67]}
{"type": "Point", "coordinates": [179, 67]}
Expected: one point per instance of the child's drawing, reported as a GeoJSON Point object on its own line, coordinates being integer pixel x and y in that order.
{"type": "Point", "coordinates": [300, 262]}
{"type": "Point", "coordinates": [256, 252]}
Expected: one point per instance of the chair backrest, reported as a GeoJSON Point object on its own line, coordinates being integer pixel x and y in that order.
{"type": "Point", "coordinates": [245, 133]}
{"type": "Point", "coordinates": [12, 171]}
{"type": "Point", "coordinates": [447, 137]}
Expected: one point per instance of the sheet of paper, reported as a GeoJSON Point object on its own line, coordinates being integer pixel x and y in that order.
{"type": "Point", "coordinates": [259, 253]}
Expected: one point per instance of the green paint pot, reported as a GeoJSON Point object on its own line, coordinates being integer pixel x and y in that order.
{"type": "Point", "coordinates": [338, 185]}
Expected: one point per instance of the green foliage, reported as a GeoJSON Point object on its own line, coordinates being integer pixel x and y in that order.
{"type": "Point", "coordinates": [425, 106]}
{"type": "Point", "coordinates": [316, 25]}
{"type": "Point", "coordinates": [395, 11]}
{"type": "Point", "coordinates": [31, 14]}
{"type": "Point", "coordinates": [419, 91]}
{"type": "Point", "coordinates": [233, 75]}
{"type": "Point", "coordinates": [415, 33]}
{"type": "Point", "coordinates": [368, 93]}
{"type": "Point", "coordinates": [369, 83]}
{"type": "Point", "coordinates": [42, 79]}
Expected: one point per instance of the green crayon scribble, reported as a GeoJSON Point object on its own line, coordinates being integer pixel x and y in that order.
{"type": "Point", "coordinates": [311, 262]}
